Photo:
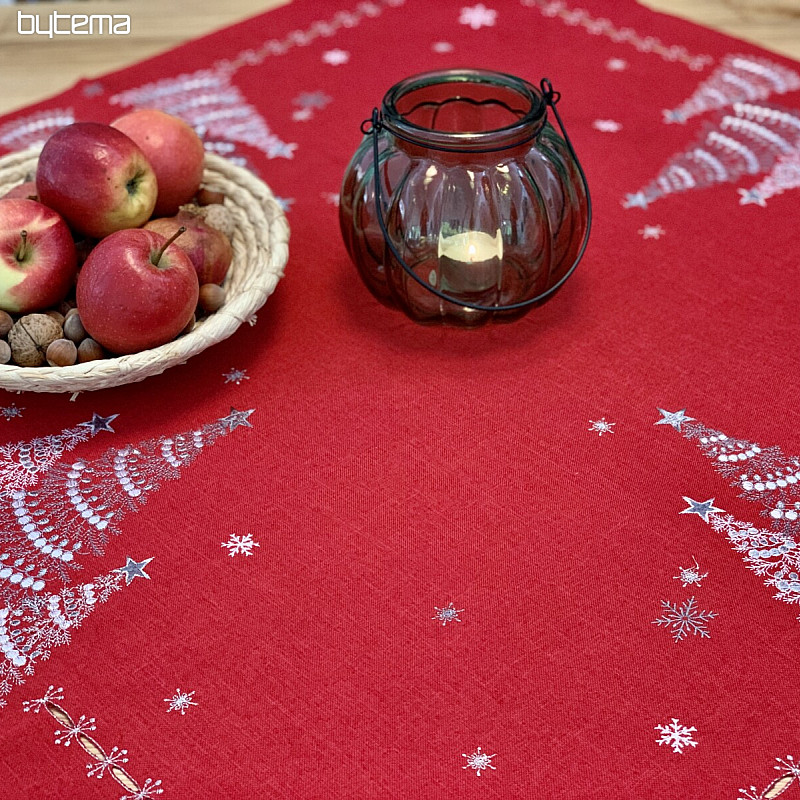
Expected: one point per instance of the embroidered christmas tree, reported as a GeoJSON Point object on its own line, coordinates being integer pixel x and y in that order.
{"type": "Point", "coordinates": [766, 477]}
{"type": "Point", "coordinates": [748, 139]}
{"type": "Point", "coordinates": [56, 513]}
{"type": "Point", "coordinates": [738, 79]}
{"type": "Point", "coordinates": [785, 175]}
{"type": "Point", "coordinates": [34, 128]}
{"type": "Point", "coordinates": [214, 107]}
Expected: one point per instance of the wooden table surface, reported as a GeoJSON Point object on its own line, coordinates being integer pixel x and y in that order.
{"type": "Point", "coordinates": [35, 67]}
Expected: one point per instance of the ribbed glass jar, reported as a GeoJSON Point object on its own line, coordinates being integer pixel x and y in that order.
{"type": "Point", "coordinates": [482, 198]}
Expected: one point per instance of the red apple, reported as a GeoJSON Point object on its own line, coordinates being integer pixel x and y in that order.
{"type": "Point", "coordinates": [136, 290]}
{"type": "Point", "coordinates": [174, 150]}
{"type": "Point", "coordinates": [37, 256]}
{"type": "Point", "coordinates": [25, 190]}
{"type": "Point", "coordinates": [97, 178]}
{"type": "Point", "coordinates": [208, 249]}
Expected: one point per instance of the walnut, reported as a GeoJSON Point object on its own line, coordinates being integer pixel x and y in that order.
{"type": "Point", "coordinates": [30, 337]}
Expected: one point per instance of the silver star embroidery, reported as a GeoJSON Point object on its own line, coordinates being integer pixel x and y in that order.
{"type": "Point", "coordinates": [751, 196]}
{"type": "Point", "coordinates": [637, 200]}
{"type": "Point", "coordinates": [98, 423]}
{"type": "Point", "coordinates": [134, 569]}
{"type": "Point", "coordinates": [701, 509]}
{"type": "Point", "coordinates": [673, 418]}
{"type": "Point", "coordinates": [237, 419]}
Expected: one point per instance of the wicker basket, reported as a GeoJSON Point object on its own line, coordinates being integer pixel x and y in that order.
{"type": "Point", "coordinates": [260, 252]}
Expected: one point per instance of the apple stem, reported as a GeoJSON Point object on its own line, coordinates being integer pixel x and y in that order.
{"type": "Point", "coordinates": [22, 249]}
{"type": "Point", "coordinates": [156, 256]}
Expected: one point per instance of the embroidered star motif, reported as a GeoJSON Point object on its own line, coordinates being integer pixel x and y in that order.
{"type": "Point", "coordinates": [237, 419]}
{"type": "Point", "coordinates": [673, 418]}
{"type": "Point", "coordinates": [701, 509]}
{"type": "Point", "coordinates": [751, 196]}
{"type": "Point", "coordinates": [675, 115]}
{"type": "Point", "coordinates": [98, 423]}
{"type": "Point", "coordinates": [637, 200]}
{"type": "Point", "coordinates": [134, 569]}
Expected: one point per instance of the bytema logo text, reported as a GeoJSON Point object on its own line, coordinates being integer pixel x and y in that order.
{"type": "Point", "coordinates": [59, 24]}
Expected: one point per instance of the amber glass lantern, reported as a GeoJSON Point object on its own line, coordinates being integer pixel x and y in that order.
{"type": "Point", "coordinates": [462, 204]}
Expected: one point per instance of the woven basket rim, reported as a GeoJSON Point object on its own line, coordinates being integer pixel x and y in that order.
{"type": "Point", "coordinates": [261, 252]}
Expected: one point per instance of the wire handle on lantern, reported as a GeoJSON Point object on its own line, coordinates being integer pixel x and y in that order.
{"type": "Point", "coordinates": [374, 126]}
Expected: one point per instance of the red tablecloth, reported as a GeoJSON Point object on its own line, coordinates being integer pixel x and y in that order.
{"type": "Point", "coordinates": [556, 558]}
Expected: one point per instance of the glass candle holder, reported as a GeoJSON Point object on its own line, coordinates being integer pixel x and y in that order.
{"type": "Point", "coordinates": [462, 203]}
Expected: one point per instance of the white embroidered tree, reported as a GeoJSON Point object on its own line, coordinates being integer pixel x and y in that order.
{"type": "Point", "coordinates": [747, 140]}
{"type": "Point", "coordinates": [764, 476]}
{"type": "Point", "coordinates": [214, 107]}
{"type": "Point", "coordinates": [55, 515]}
{"type": "Point", "coordinates": [738, 79]}
{"type": "Point", "coordinates": [34, 128]}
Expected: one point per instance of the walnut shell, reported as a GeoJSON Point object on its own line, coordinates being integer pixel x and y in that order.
{"type": "Point", "coordinates": [30, 338]}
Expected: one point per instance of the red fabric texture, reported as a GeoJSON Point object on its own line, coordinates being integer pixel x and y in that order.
{"type": "Point", "coordinates": [389, 470]}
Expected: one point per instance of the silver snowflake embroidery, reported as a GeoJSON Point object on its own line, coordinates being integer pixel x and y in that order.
{"type": "Point", "coordinates": [690, 575]}
{"type": "Point", "coordinates": [285, 203]}
{"type": "Point", "coordinates": [240, 545]}
{"type": "Point", "coordinates": [73, 731]}
{"type": "Point", "coordinates": [447, 614]}
{"type": "Point", "coordinates": [147, 790]}
{"type": "Point", "coordinates": [478, 761]}
{"type": "Point", "coordinates": [236, 376]}
{"type": "Point", "coordinates": [601, 426]}
{"type": "Point", "coordinates": [336, 57]}
{"type": "Point", "coordinates": [49, 696]}
{"type": "Point", "coordinates": [677, 736]}
{"type": "Point", "coordinates": [9, 412]}
{"type": "Point", "coordinates": [651, 232]}
{"type": "Point", "coordinates": [442, 47]}
{"type": "Point", "coordinates": [113, 759]}
{"type": "Point", "coordinates": [332, 198]}
{"type": "Point", "coordinates": [607, 125]}
{"type": "Point", "coordinates": [616, 64]}
{"type": "Point", "coordinates": [685, 620]}
{"type": "Point", "coordinates": [180, 702]}
{"type": "Point", "coordinates": [477, 16]}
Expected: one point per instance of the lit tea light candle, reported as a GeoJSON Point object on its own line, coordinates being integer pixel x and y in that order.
{"type": "Point", "coordinates": [471, 261]}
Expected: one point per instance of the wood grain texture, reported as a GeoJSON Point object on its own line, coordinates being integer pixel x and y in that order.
{"type": "Point", "coordinates": [35, 67]}
{"type": "Point", "coordinates": [773, 24]}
